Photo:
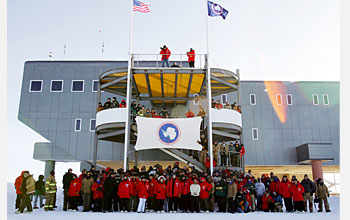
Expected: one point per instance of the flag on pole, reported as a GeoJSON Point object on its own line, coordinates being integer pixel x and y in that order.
{"type": "Point", "coordinates": [140, 6]}
{"type": "Point", "coordinates": [216, 10]}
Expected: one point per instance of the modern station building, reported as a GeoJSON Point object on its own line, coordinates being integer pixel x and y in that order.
{"type": "Point", "coordinates": [286, 127]}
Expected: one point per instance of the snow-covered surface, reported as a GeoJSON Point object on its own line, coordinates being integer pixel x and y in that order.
{"type": "Point", "coordinates": [59, 214]}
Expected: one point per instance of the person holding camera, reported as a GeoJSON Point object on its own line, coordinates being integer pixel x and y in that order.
{"type": "Point", "coordinates": [98, 188]}
{"type": "Point", "coordinates": [165, 52]}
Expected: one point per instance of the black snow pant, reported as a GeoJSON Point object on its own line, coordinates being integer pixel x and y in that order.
{"type": "Point", "coordinates": [116, 204]}
{"type": "Point", "coordinates": [74, 202]}
{"type": "Point", "coordinates": [299, 206]}
{"type": "Point", "coordinates": [185, 202]}
{"type": "Point", "coordinates": [124, 204]}
{"type": "Point", "coordinates": [173, 203]}
{"type": "Point", "coordinates": [221, 203]}
{"type": "Point", "coordinates": [159, 204]}
{"type": "Point", "coordinates": [195, 204]}
{"type": "Point", "coordinates": [107, 204]}
{"type": "Point", "coordinates": [97, 205]}
{"type": "Point", "coordinates": [191, 63]}
{"type": "Point", "coordinates": [231, 207]}
{"type": "Point", "coordinates": [288, 203]}
{"type": "Point", "coordinates": [18, 200]}
{"type": "Point", "coordinates": [151, 203]}
{"type": "Point", "coordinates": [204, 204]}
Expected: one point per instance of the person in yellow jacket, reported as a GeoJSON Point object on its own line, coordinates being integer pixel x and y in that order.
{"type": "Point", "coordinates": [50, 191]}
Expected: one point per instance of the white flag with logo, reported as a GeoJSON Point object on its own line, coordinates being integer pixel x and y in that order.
{"type": "Point", "coordinates": [182, 133]}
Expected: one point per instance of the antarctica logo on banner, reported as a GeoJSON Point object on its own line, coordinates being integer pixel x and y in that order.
{"type": "Point", "coordinates": [168, 133]}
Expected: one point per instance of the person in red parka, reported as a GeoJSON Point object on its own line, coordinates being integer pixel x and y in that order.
{"type": "Point", "coordinates": [18, 184]}
{"type": "Point", "coordinates": [133, 202]}
{"type": "Point", "coordinates": [191, 57]}
{"type": "Point", "coordinates": [286, 193]}
{"type": "Point", "coordinates": [173, 190]}
{"type": "Point", "coordinates": [275, 185]}
{"type": "Point", "coordinates": [185, 194]}
{"type": "Point", "coordinates": [124, 193]}
{"type": "Point", "coordinates": [165, 52]}
{"type": "Point", "coordinates": [204, 194]}
{"type": "Point", "coordinates": [74, 192]}
{"type": "Point", "coordinates": [267, 202]}
{"type": "Point", "coordinates": [122, 104]}
{"type": "Point", "coordinates": [160, 193]}
{"type": "Point", "coordinates": [142, 190]}
{"type": "Point", "coordinates": [97, 188]}
{"type": "Point", "coordinates": [248, 198]}
{"type": "Point", "coordinates": [151, 204]}
{"type": "Point", "coordinates": [297, 194]}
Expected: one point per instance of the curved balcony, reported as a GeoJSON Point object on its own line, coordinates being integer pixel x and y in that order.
{"type": "Point", "coordinates": [110, 124]}
{"type": "Point", "coordinates": [227, 124]}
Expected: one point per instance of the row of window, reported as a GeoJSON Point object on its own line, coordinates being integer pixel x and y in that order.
{"type": "Point", "coordinates": [57, 86]}
{"type": "Point", "coordinates": [289, 99]}
{"type": "Point", "coordinates": [78, 121]}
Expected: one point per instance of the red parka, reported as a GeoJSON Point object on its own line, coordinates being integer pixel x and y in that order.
{"type": "Point", "coordinates": [185, 187]}
{"type": "Point", "coordinates": [191, 55]}
{"type": "Point", "coordinates": [297, 191]}
{"type": "Point", "coordinates": [275, 187]}
{"type": "Point", "coordinates": [98, 194]}
{"type": "Point", "coordinates": [18, 183]}
{"type": "Point", "coordinates": [173, 188]}
{"type": "Point", "coordinates": [165, 53]}
{"type": "Point", "coordinates": [249, 200]}
{"type": "Point", "coordinates": [142, 189]}
{"type": "Point", "coordinates": [75, 186]}
{"type": "Point", "coordinates": [160, 190]}
{"type": "Point", "coordinates": [153, 183]}
{"type": "Point", "coordinates": [265, 201]}
{"type": "Point", "coordinates": [286, 189]}
{"type": "Point", "coordinates": [240, 185]}
{"type": "Point", "coordinates": [134, 187]}
{"type": "Point", "coordinates": [205, 188]}
{"type": "Point", "coordinates": [125, 189]}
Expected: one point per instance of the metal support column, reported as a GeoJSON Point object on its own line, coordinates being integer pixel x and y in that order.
{"type": "Point", "coordinates": [127, 120]}
{"type": "Point", "coordinates": [94, 160]}
{"type": "Point", "coordinates": [239, 103]}
{"type": "Point", "coordinates": [209, 126]}
{"type": "Point", "coordinates": [49, 166]}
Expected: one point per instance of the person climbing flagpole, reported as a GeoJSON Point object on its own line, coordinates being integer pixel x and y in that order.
{"type": "Point", "coordinates": [213, 10]}
{"type": "Point", "coordinates": [143, 8]}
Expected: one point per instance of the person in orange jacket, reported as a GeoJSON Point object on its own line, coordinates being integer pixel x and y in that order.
{"type": "Point", "coordinates": [191, 57]}
{"type": "Point", "coordinates": [165, 52]}
{"type": "Point", "coordinates": [18, 183]}
{"type": "Point", "coordinates": [275, 186]}
{"type": "Point", "coordinates": [267, 202]}
{"type": "Point", "coordinates": [125, 190]}
{"type": "Point", "coordinates": [160, 194]}
{"type": "Point", "coordinates": [97, 188]}
{"type": "Point", "coordinates": [74, 192]}
{"type": "Point", "coordinates": [133, 202]}
{"type": "Point", "coordinates": [204, 194]}
{"type": "Point", "coordinates": [143, 188]}
{"type": "Point", "coordinates": [298, 198]}
{"type": "Point", "coordinates": [286, 193]}
{"type": "Point", "coordinates": [185, 194]}
{"type": "Point", "coordinates": [151, 204]}
{"type": "Point", "coordinates": [122, 104]}
{"type": "Point", "coordinates": [173, 189]}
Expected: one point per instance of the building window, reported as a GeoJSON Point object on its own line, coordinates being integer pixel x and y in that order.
{"type": "Point", "coordinates": [35, 85]}
{"type": "Point", "coordinates": [78, 86]}
{"type": "Point", "coordinates": [252, 99]}
{"type": "Point", "coordinates": [325, 99]}
{"type": "Point", "coordinates": [289, 99]}
{"type": "Point", "coordinates": [56, 86]}
{"type": "Point", "coordinates": [279, 99]}
{"type": "Point", "coordinates": [92, 125]}
{"type": "Point", "coordinates": [94, 85]}
{"type": "Point", "coordinates": [315, 99]}
{"type": "Point", "coordinates": [223, 98]}
{"type": "Point", "coordinates": [77, 126]}
{"type": "Point", "coordinates": [255, 134]}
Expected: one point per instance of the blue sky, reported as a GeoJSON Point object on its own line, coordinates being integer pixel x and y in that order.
{"type": "Point", "coordinates": [266, 39]}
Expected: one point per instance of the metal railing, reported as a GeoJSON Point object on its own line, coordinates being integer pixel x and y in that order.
{"type": "Point", "coordinates": [155, 60]}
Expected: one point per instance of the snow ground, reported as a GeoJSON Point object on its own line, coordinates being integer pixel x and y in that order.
{"type": "Point", "coordinates": [40, 214]}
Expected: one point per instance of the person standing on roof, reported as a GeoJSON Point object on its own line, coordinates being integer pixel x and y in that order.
{"type": "Point", "coordinates": [191, 57]}
{"type": "Point", "coordinates": [165, 52]}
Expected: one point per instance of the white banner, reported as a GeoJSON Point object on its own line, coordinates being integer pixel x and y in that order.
{"type": "Point", "coordinates": [182, 133]}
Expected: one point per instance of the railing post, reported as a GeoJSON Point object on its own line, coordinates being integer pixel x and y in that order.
{"type": "Point", "coordinates": [157, 61]}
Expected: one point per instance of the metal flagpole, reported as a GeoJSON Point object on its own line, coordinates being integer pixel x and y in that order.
{"type": "Point", "coordinates": [209, 130]}
{"type": "Point", "coordinates": [128, 93]}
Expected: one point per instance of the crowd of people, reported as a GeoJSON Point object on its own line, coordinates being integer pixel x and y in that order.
{"type": "Point", "coordinates": [227, 105]}
{"type": "Point", "coordinates": [172, 190]}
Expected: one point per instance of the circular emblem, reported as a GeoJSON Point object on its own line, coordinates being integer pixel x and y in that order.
{"type": "Point", "coordinates": [168, 133]}
{"type": "Point", "coordinates": [217, 9]}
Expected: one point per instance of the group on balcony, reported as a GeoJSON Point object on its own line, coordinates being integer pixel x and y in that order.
{"type": "Point", "coordinates": [227, 105]}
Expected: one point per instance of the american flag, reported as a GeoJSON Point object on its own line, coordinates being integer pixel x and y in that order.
{"type": "Point", "coordinates": [140, 6]}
